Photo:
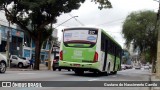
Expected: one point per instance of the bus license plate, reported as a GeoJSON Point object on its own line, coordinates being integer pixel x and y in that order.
{"type": "Point", "coordinates": [76, 65]}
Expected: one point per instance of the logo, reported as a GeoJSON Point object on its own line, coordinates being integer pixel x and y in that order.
{"type": "Point", "coordinates": [91, 38]}
{"type": "Point", "coordinates": [68, 34]}
{"type": "Point", "coordinates": [6, 84]}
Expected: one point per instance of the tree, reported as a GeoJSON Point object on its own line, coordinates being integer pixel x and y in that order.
{"type": "Point", "coordinates": [139, 29]}
{"type": "Point", "coordinates": [33, 16]}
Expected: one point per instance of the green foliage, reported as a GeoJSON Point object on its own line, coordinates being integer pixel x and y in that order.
{"type": "Point", "coordinates": [103, 4]}
{"type": "Point", "coordinates": [39, 13]}
{"type": "Point", "coordinates": [148, 57]}
{"type": "Point", "coordinates": [139, 29]}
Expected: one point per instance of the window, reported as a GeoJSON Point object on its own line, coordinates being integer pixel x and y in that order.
{"type": "Point", "coordinates": [14, 57]}
{"type": "Point", "coordinates": [3, 46]}
{"type": "Point", "coordinates": [27, 41]}
{"type": "Point", "coordinates": [102, 42]}
{"type": "Point", "coordinates": [81, 37]}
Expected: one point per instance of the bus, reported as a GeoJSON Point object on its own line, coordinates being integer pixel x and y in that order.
{"type": "Point", "coordinates": [89, 49]}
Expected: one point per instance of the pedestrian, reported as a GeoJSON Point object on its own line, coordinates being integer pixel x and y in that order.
{"type": "Point", "coordinates": [32, 63]}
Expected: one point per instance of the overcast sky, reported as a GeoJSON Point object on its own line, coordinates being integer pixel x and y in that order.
{"type": "Point", "coordinates": [111, 20]}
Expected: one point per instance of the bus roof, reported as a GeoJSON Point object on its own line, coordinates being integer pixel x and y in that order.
{"type": "Point", "coordinates": [81, 28]}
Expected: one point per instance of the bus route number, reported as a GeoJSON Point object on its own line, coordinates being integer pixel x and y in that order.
{"type": "Point", "coordinates": [91, 32]}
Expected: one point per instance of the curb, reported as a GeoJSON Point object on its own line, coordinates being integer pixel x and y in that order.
{"type": "Point", "coordinates": [17, 69]}
{"type": "Point", "coordinates": [42, 67]}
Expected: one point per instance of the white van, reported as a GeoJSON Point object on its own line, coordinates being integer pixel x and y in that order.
{"type": "Point", "coordinates": [19, 61]}
{"type": "Point", "coordinates": [3, 63]}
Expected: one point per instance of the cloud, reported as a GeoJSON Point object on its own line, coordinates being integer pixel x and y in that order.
{"type": "Point", "coordinates": [110, 20]}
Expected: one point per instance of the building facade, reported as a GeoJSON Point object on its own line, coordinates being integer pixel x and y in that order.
{"type": "Point", "coordinates": [20, 43]}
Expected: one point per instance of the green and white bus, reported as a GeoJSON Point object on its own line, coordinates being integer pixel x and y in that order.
{"type": "Point", "coordinates": [89, 49]}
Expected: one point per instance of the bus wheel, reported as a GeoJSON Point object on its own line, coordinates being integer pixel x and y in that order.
{"type": "Point", "coordinates": [59, 69]}
{"type": "Point", "coordinates": [54, 69]}
{"type": "Point", "coordinates": [79, 72]}
{"type": "Point", "coordinates": [115, 72]}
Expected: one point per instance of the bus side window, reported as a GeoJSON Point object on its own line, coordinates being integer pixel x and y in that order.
{"type": "Point", "coordinates": [117, 52]}
{"type": "Point", "coordinates": [112, 49]}
{"type": "Point", "coordinates": [102, 42]}
{"type": "Point", "coordinates": [109, 47]}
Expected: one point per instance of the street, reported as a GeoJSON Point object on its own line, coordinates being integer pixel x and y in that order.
{"type": "Point", "coordinates": [64, 75]}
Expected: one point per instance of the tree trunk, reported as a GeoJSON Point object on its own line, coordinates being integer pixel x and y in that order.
{"type": "Point", "coordinates": [153, 66]}
{"type": "Point", "coordinates": [153, 58]}
{"type": "Point", "coordinates": [37, 54]}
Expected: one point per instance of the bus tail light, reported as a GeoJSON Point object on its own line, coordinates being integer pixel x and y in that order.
{"type": "Point", "coordinates": [95, 57]}
{"type": "Point", "coordinates": [61, 55]}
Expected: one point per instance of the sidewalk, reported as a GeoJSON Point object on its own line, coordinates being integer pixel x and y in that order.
{"type": "Point", "coordinates": [153, 78]}
{"type": "Point", "coordinates": [41, 67]}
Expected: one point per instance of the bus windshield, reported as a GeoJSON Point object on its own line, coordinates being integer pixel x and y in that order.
{"type": "Point", "coordinates": [80, 38]}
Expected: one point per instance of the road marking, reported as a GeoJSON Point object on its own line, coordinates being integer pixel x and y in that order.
{"type": "Point", "coordinates": [93, 79]}
{"type": "Point", "coordinates": [26, 73]}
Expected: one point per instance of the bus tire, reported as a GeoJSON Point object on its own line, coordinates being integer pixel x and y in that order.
{"type": "Point", "coordinates": [115, 72]}
{"type": "Point", "coordinates": [54, 69]}
{"type": "Point", "coordinates": [79, 72]}
{"type": "Point", "coordinates": [59, 69]}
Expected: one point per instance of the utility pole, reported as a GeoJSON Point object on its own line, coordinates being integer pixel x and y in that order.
{"type": "Point", "coordinates": [158, 45]}
{"type": "Point", "coordinates": [8, 45]}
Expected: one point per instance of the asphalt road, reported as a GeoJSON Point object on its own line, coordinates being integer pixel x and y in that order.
{"type": "Point", "coordinates": [125, 75]}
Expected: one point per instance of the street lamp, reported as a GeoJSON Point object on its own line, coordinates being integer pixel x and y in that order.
{"type": "Point", "coordinates": [66, 21]}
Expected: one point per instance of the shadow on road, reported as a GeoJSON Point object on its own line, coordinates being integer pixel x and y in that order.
{"type": "Point", "coordinates": [89, 74]}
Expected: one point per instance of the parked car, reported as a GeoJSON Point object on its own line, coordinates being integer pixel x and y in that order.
{"type": "Point", "coordinates": [128, 66]}
{"type": "Point", "coordinates": [19, 61]}
{"type": "Point", "coordinates": [55, 64]}
{"type": "Point", "coordinates": [137, 67]}
{"type": "Point", "coordinates": [3, 63]}
{"type": "Point", "coordinates": [123, 67]}
{"type": "Point", "coordinates": [150, 66]}
{"type": "Point", "coordinates": [146, 67]}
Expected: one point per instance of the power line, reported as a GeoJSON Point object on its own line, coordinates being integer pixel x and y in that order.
{"type": "Point", "coordinates": [66, 21]}
{"type": "Point", "coordinates": [76, 19]}
{"type": "Point", "coordinates": [113, 32]}
{"type": "Point", "coordinates": [111, 21]}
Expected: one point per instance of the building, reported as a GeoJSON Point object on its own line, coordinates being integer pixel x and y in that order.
{"type": "Point", "coordinates": [126, 59]}
{"type": "Point", "coordinates": [29, 48]}
{"type": "Point", "coordinates": [20, 43]}
{"type": "Point", "coordinates": [134, 54]}
{"type": "Point", "coordinates": [16, 39]}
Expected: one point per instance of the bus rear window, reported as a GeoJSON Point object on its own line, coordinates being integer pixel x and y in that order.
{"type": "Point", "coordinates": [80, 38]}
